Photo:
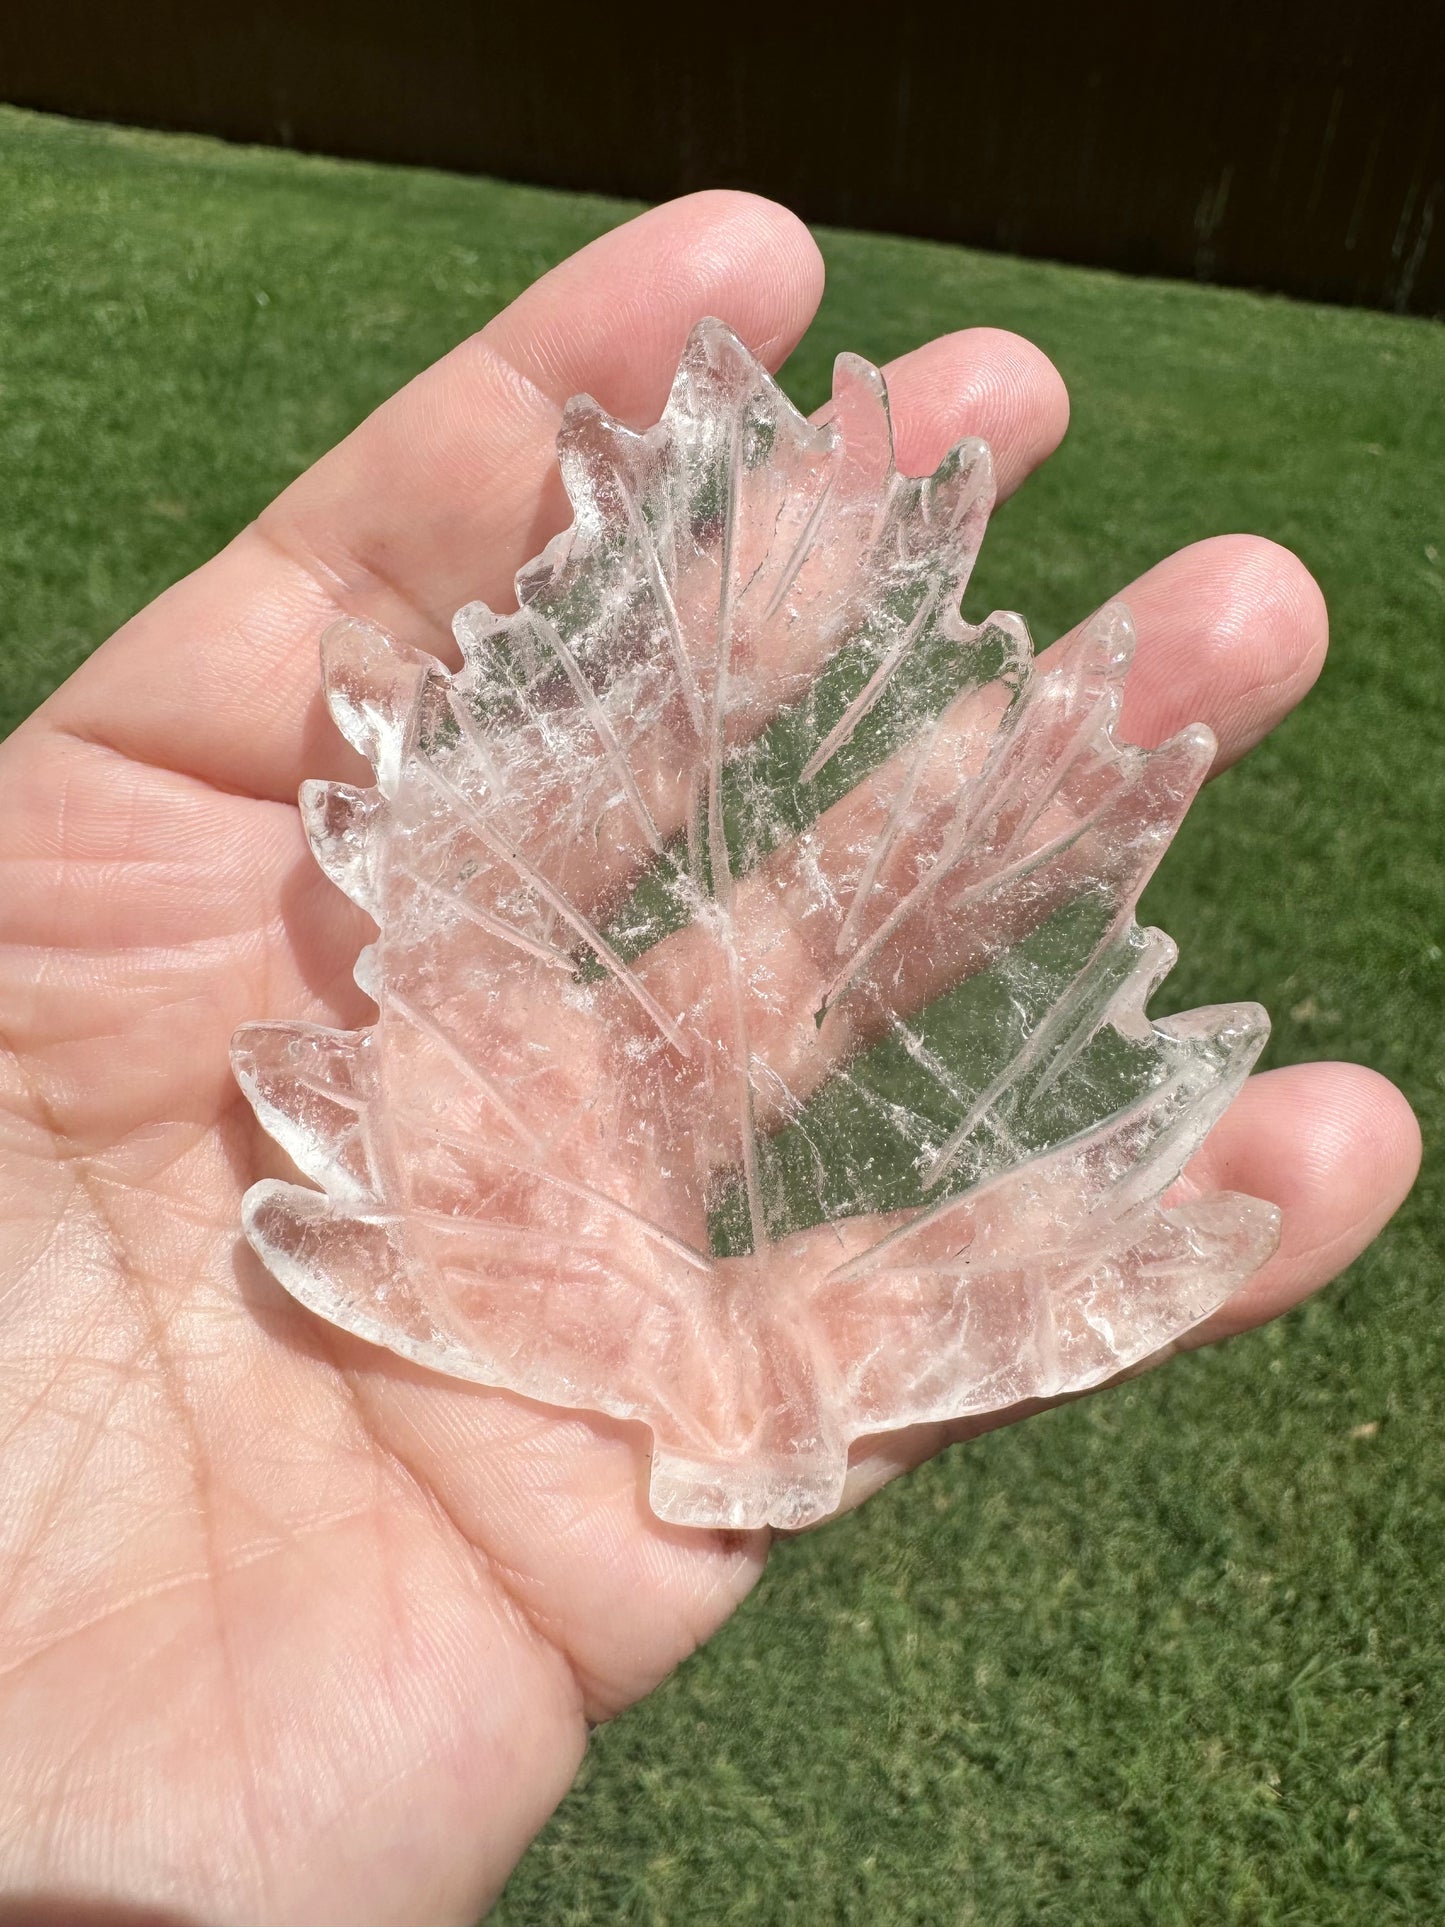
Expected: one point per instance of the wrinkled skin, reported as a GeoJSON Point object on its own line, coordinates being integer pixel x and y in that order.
{"type": "Point", "coordinates": [290, 1632]}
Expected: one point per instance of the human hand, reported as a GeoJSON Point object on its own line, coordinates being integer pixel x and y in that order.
{"type": "Point", "coordinates": [291, 1631]}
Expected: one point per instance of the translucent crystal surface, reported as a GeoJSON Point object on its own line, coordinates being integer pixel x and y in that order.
{"type": "Point", "coordinates": [762, 1050]}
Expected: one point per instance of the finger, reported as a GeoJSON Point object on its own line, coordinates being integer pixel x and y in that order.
{"type": "Point", "coordinates": [443, 493]}
{"type": "Point", "coordinates": [1335, 1146]}
{"type": "Point", "coordinates": [1236, 624]}
{"type": "Point", "coordinates": [438, 496]}
{"type": "Point", "coordinates": [1232, 632]}
{"type": "Point", "coordinates": [979, 381]}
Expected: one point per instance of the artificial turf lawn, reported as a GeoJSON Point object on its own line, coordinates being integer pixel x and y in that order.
{"type": "Point", "coordinates": [1176, 1654]}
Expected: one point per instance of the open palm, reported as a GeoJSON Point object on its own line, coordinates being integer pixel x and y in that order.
{"type": "Point", "coordinates": [289, 1630]}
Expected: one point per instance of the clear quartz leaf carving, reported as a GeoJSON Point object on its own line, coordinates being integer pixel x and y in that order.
{"type": "Point", "coordinates": [762, 1051]}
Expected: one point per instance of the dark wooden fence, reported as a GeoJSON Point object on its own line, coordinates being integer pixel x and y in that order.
{"type": "Point", "coordinates": [1273, 144]}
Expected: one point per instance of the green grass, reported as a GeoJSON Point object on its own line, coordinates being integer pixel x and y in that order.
{"type": "Point", "coordinates": [1176, 1655]}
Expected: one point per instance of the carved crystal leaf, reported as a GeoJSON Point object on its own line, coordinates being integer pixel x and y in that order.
{"type": "Point", "coordinates": [762, 1050]}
